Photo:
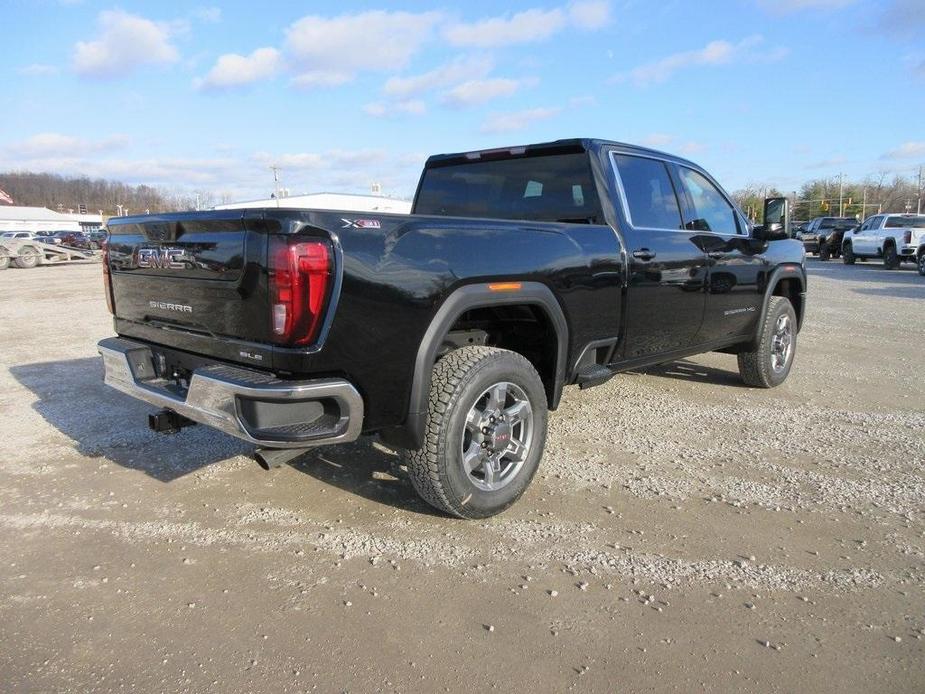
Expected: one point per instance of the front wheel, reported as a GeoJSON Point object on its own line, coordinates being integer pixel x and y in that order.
{"type": "Point", "coordinates": [485, 432]}
{"type": "Point", "coordinates": [847, 254]}
{"type": "Point", "coordinates": [824, 252]}
{"type": "Point", "coordinates": [4, 262]}
{"type": "Point", "coordinates": [769, 364]}
{"type": "Point", "coordinates": [921, 263]}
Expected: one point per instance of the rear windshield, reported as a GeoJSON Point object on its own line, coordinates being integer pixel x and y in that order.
{"type": "Point", "coordinates": [917, 221]}
{"type": "Point", "coordinates": [836, 223]}
{"type": "Point", "coordinates": [548, 188]}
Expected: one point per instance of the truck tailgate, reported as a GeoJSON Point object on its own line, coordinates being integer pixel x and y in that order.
{"type": "Point", "coordinates": [182, 276]}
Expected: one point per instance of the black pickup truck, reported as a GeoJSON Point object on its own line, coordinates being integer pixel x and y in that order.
{"type": "Point", "coordinates": [449, 332]}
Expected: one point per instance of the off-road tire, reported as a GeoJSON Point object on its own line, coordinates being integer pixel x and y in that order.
{"type": "Point", "coordinates": [28, 258]}
{"type": "Point", "coordinates": [847, 256]}
{"type": "Point", "coordinates": [755, 367]}
{"type": "Point", "coordinates": [436, 469]}
{"type": "Point", "coordinates": [824, 252]}
{"type": "Point", "coordinates": [890, 257]}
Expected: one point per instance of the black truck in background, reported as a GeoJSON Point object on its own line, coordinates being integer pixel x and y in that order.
{"type": "Point", "coordinates": [450, 332]}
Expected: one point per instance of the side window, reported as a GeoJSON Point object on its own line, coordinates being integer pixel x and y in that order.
{"type": "Point", "coordinates": [649, 193]}
{"type": "Point", "coordinates": [712, 212]}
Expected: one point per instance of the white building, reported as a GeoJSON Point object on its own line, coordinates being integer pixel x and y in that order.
{"type": "Point", "coordinates": [328, 201]}
{"type": "Point", "coordinates": [16, 218]}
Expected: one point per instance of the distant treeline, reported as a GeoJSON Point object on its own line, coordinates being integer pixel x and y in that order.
{"type": "Point", "coordinates": [831, 197]}
{"type": "Point", "coordinates": [64, 193]}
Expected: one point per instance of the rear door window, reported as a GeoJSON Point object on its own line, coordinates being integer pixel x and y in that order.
{"type": "Point", "coordinates": [649, 194]}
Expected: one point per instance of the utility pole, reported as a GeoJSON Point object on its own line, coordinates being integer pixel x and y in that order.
{"type": "Point", "coordinates": [275, 169]}
{"type": "Point", "coordinates": [918, 207]}
{"type": "Point", "coordinates": [841, 192]}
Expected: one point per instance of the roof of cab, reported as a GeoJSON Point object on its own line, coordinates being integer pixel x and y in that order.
{"type": "Point", "coordinates": [577, 144]}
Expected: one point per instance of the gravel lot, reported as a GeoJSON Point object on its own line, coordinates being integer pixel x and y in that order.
{"type": "Point", "coordinates": [684, 532]}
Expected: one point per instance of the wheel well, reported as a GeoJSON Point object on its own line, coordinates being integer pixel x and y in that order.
{"type": "Point", "coordinates": [522, 328]}
{"type": "Point", "coordinates": [791, 289]}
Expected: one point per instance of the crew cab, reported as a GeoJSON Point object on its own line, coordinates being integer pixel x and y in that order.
{"type": "Point", "coordinates": [823, 235]}
{"type": "Point", "coordinates": [894, 238]}
{"type": "Point", "coordinates": [449, 332]}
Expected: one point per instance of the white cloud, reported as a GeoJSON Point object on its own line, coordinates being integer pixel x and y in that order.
{"type": "Point", "coordinates": [321, 78]}
{"type": "Point", "coordinates": [38, 70]}
{"type": "Point", "coordinates": [475, 92]}
{"type": "Point", "coordinates": [233, 70]}
{"type": "Point", "coordinates": [785, 6]}
{"type": "Point", "coordinates": [333, 50]}
{"type": "Point", "coordinates": [657, 140]}
{"type": "Point", "coordinates": [592, 14]}
{"type": "Point", "coordinates": [517, 120]}
{"type": "Point", "coordinates": [127, 41]}
{"type": "Point", "coordinates": [379, 109]}
{"type": "Point", "coordinates": [458, 70]}
{"type": "Point", "coordinates": [530, 25]}
{"type": "Point", "coordinates": [59, 145]}
{"type": "Point", "coordinates": [750, 49]}
{"type": "Point", "coordinates": [523, 27]}
{"type": "Point", "coordinates": [907, 150]}
{"type": "Point", "coordinates": [209, 15]}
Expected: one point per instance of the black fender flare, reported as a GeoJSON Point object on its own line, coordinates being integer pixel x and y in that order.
{"type": "Point", "coordinates": [467, 297]}
{"type": "Point", "coordinates": [788, 271]}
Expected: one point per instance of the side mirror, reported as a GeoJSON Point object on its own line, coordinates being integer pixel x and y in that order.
{"type": "Point", "coordinates": [776, 220]}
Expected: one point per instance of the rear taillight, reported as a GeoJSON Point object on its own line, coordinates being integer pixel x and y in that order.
{"type": "Point", "coordinates": [300, 278]}
{"type": "Point", "coordinates": [107, 278]}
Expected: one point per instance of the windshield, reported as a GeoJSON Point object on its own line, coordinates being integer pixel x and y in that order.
{"type": "Point", "coordinates": [912, 221]}
{"type": "Point", "coordinates": [549, 188]}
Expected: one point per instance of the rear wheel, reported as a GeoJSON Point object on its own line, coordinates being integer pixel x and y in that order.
{"type": "Point", "coordinates": [847, 254]}
{"type": "Point", "coordinates": [890, 257]}
{"type": "Point", "coordinates": [921, 263]}
{"type": "Point", "coordinates": [485, 432]}
{"type": "Point", "coordinates": [824, 252]}
{"type": "Point", "coordinates": [769, 364]}
{"type": "Point", "coordinates": [28, 257]}
{"type": "Point", "coordinates": [4, 262]}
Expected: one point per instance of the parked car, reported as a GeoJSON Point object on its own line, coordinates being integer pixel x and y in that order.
{"type": "Point", "coordinates": [451, 331]}
{"type": "Point", "coordinates": [48, 237]}
{"type": "Point", "coordinates": [11, 235]}
{"type": "Point", "coordinates": [894, 238]}
{"type": "Point", "coordinates": [95, 239]}
{"type": "Point", "coordinates": [73, 239]}
{"type": "Point", "coordinates": [823, 235]}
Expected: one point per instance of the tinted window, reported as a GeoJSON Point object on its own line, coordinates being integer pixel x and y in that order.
{"type": "Point", "coordinates": [552, 188]}
{"type": "Point", "coordinates": [838, 223]}
{"type": "Point", "coordinates": [904, 222]}
{"type": "Point", "coordinates": [712, 212]}
{"type": "Point", "coordinates": [649, 194]}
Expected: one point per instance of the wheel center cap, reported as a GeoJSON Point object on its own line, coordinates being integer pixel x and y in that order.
{"type": "Point", "coordinates": [500, 436]}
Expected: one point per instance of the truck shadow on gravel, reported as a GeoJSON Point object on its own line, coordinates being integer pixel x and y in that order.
{"type": "Point", "coordinates": [104, 423]}
{"type": "Point", "coordinates": [685, 370]}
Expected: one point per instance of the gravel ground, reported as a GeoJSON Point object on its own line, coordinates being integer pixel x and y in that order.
{"type": "Point", "coordinates": [684, 532]}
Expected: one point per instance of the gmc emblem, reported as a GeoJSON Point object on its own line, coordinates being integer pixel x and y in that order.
{"type": "Point", "coordinates": [164, 258]}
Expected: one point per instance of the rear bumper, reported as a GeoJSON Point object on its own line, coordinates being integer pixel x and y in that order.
{"type": "Point", "coordinates": [250, 405]}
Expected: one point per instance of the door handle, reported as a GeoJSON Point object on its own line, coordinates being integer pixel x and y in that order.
{"type": "Point", "coordinates": [644, 254]}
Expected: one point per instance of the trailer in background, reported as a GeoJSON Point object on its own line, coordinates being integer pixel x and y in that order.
{"type": "Point", "coordinates": [29, 253]}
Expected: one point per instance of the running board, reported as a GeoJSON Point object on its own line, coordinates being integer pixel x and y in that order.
{"type": "Point", "coordinates": [593, 375]}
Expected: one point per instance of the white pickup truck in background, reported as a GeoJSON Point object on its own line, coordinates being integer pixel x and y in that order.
{"type": "Point", "coordinates": [894, 238]}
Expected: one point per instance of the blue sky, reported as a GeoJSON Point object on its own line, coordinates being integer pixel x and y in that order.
{"type": "Point", "coordinates": [338, 95]}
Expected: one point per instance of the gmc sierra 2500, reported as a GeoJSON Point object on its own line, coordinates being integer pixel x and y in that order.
{"type": "Point", "coordinates": [449, 332]}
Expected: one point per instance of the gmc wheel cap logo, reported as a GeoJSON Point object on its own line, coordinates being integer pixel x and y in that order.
{"type": "Point", "coordinates": [163, 258]}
